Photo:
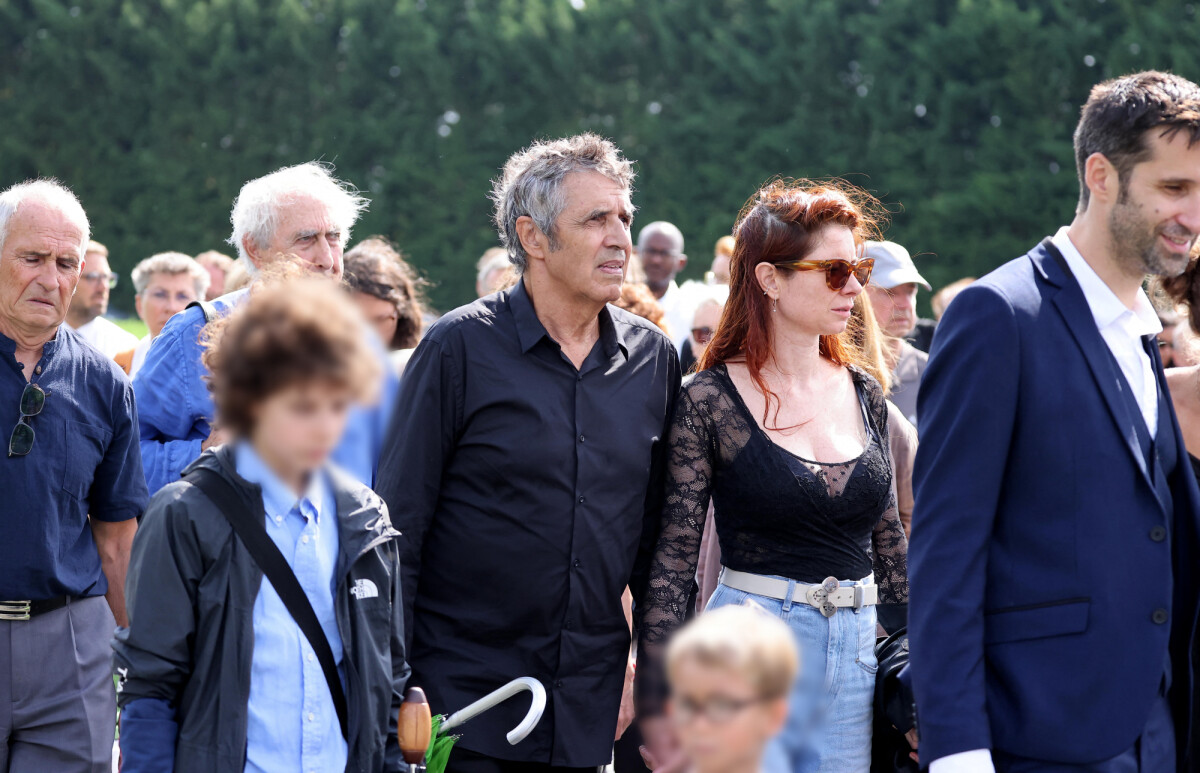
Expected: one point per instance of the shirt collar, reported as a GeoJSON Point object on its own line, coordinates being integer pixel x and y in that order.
{"type": "Point", "coordinates": [1141, 320]}
{"type": "Point", "coordinates": [278, 499]}
{"type": "Point", "coordinates": [9, 346]}
{"type": "Point", "coordinates": [530, 329]}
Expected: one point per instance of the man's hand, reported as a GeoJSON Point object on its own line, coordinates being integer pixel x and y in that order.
{"type": "Point", "coordinates": [625, 718]}
{"type": "Point", "coordinates": [914, 742]}
{"type": "Point", "coordinates": [661, 751]}
{"type": "Point", "coordinates": [114, 541]}
{"type": "Point", "coordinates": [216, 437]}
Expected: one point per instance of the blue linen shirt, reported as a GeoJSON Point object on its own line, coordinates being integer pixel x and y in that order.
{"type": "Point", "coordinates": [176, 409]}
{"type": "Point", "coordinates": [84, 461]}
{"type": "Point", "coordinates": [292, 723]}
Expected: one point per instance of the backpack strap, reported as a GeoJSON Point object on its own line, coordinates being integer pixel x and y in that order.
{"type": "Point", "coordinates": [247, 521]}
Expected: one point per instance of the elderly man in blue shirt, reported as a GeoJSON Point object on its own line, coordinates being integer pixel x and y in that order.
{"type": "Point", "coordinates": [299, 213]}
{"type": "Point", "coordinates": [71, 477]}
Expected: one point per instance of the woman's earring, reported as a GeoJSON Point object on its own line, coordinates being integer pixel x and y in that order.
{"type": "Point", "coordinates": [775, 305]}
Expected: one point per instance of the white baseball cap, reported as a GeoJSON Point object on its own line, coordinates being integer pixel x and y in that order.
{"type": "Point", "coordinates": [893, 266]}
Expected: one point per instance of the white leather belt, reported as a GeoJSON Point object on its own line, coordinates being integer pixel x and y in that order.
{"type": "Point", "coordinates": [828, 597]}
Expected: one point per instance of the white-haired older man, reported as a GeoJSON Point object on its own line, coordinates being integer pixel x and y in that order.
{"type": "Point", "coordinates": [71, 478]}
{"type": "Point", "coordinates": [525, 469]}
{"type": "Point", "coordinates": [166, 284]}
{"type": "Point", "coordinates": [299, 213]}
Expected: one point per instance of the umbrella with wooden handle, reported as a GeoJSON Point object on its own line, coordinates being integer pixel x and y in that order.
{"type": "Point", "coordinates": [415, 728]}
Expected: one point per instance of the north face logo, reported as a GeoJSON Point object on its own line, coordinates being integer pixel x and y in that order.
{"type": "Point", "coordinates": [364, 589]}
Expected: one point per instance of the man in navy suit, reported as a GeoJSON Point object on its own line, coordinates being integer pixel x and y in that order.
{"type": "Point", "coordinates": [1053, 590]}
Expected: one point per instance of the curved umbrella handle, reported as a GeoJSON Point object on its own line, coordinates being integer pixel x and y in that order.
{"type": "Point", "coordinates": [532, 717]}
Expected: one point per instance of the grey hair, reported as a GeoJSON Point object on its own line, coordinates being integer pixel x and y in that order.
{"type": "Point", "coordinates": [256, 209]}
{"type": "Point", "coordinates": [499, 260]}
{"type": "Point", "coordinates": [669, 230]}
{"type": "Point", "coordinates": [49, 191]}
{"type": "Point", "coordinates": [531, 185]}
{"type": "Point", "coordinates": [172, 263]}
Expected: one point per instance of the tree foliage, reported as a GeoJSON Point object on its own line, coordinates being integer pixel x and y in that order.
{"type": "Point", "coordinates": [958, 113]}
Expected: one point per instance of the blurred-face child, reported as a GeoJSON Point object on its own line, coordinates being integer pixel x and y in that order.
{"type": "Point", "coordinates": [730, 673]}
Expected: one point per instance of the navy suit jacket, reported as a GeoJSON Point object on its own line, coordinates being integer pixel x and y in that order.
{"type": "Point", "coordinates": [1035, 569]}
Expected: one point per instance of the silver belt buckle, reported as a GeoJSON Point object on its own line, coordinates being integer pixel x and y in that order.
{"type": "Point", "coordinates": [14, 610]}
{"type": "Point", "coordinates": [818, 596]}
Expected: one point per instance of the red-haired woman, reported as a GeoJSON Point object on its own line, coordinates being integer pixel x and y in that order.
{"type": "Point", "coordinates": [789, 437]}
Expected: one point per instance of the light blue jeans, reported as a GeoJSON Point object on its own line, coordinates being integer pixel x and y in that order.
{"type": "Point", "coordinates": [829, 718]}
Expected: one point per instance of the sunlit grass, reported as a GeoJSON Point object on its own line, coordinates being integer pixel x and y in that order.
{"type": "Point", "coordinates": [133, 325]}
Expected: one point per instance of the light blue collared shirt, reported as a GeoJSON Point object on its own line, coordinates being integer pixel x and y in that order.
{"type": "Point", "coordinates": [292, 724]}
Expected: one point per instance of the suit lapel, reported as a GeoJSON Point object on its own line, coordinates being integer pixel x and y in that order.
{"type": "Point", "coordinates": [1073, 307]}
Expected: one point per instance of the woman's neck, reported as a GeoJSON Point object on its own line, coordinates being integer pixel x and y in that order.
{"type": "Point", "coordinates": [795, 356]}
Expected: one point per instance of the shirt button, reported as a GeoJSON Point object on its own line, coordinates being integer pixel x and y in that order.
{"type": "Point", "coordinates": [38, 370]}
{"type": "Point", "coordinates": [577, 563]}
{"type": "Point", "coordinates": [304, 539]}
{"type": "Point", "coordinates": [581, 438]}
{"type": "Point", "coordinates": [1158, 534]}
{"type": "Point", "coordinates": [581, 500]}
{"type": "Point", "coordinates": [311, 716]}
{"type": "Point", "coordinates": [279, 519]}
{"type": "Point", "coordinates": [310, 657]}
{"type": "Point", "coordinates": [568, 624]}
{"type": "Point", "coordinates": [1159, 616]}
{"type": "Point", "coordinates": [558, 683]}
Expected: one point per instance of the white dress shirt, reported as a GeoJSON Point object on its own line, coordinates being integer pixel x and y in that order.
{"type": "Point", "coordinates": [107, 336]}
{"type": "Point", "coordinates": [677, 316]}
{"type": "Point", "coordinates": [1122, 329]}
{"type": "Point", "coordinates": [139, 355]}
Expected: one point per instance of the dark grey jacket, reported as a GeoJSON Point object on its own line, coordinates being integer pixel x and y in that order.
{"type": "Point", "coordinates": [190, 595]}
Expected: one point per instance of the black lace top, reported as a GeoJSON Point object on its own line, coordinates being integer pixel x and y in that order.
{"type": "Point", "coordinates": [777, 514]}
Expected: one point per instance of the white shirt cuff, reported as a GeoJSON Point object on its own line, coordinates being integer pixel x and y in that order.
{"type": "Point", "coordinates": [975, 761]}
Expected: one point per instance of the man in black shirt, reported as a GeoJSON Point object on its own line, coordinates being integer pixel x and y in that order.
{"type": "Point", "coordinates": [525, 466]}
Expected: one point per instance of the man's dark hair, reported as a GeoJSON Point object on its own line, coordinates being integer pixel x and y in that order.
{"type": "Point", "coordinates": [1118, 114]}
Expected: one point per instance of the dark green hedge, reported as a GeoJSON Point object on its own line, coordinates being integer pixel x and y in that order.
{"type": "Point", "coordinates": [958, 113]}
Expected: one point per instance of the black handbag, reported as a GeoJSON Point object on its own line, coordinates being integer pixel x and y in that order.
{"type": "Point", "coordinates": [895, 708]}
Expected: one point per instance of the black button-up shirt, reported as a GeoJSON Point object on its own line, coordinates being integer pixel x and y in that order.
{"type": "Point", "coordinates": [528, 493]}
{"type": "Point", "coordinates": [85, 461]}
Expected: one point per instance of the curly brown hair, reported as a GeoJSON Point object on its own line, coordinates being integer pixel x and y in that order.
{"type": "Point", "coordinates": [289, 331]}
{"type": "Point", "coordinates": [375, 267]}
{"type": "Point", "coordinates": [636, 298]}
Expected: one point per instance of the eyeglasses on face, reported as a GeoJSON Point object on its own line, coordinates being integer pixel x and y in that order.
{"type": "Point", "coordinates": [837, 272]}
{"type": "Point", "coordinates": [33, 399]}
{"type": "Point", "coordinates": [109, 279]}
{"type": "Point", "coordinates": [163, 296]}
{"type": "Point", "coordinates": [702, 335]}
{"type": "Point", "coordinates": [719, 710]}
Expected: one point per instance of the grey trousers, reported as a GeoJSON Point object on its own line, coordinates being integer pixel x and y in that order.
{"type": "Point", "coordinates": [58, 709]}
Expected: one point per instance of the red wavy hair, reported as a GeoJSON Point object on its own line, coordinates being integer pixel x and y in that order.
{"type": "Point", "coordinates": [779, 224]}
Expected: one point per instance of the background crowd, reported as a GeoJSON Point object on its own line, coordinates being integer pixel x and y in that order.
{"type": "Point", "coordinates": [951, 112]}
